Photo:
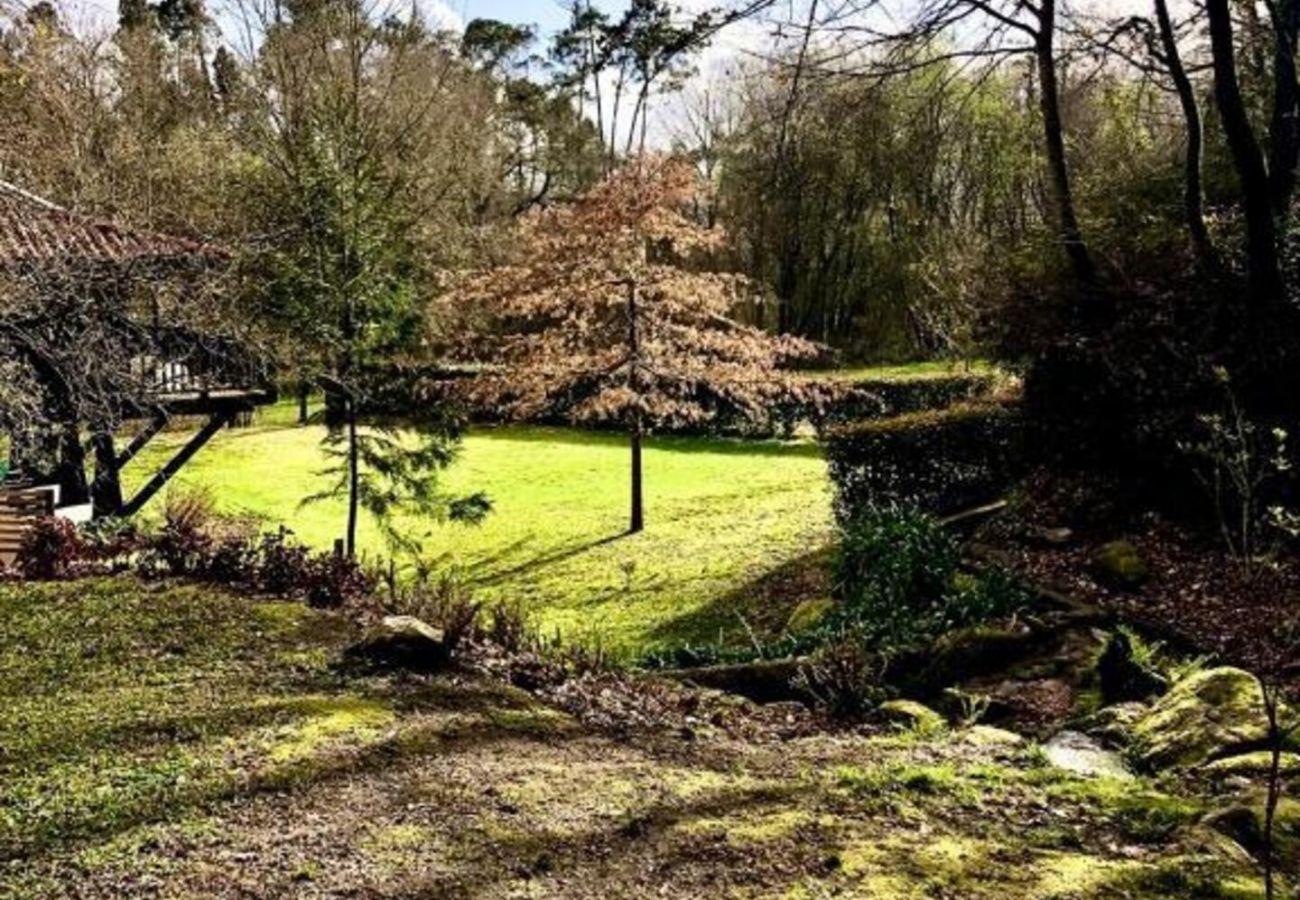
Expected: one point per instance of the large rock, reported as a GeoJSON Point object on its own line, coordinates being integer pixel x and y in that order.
{"type": "Point", "coordinates": [1113, 725]}
{"type": "Point", "coordinates": [1080, 754]}
{"type": "Point", "coordinates": [912, 715]}
{"type": "Point", "coordinates": [1119, 565]}
{"type": "Point", "coordinates": [1205, 716]}
{"type": "Point", "coordinates": [402, 642]}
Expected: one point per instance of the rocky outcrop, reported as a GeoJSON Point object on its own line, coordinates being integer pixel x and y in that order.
{"type": "Point", "coordinates": [1206, 716]}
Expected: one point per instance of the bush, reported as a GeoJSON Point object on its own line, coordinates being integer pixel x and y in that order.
{"type": "Point", "coordinates": [898, 582]}
{"type": "Point", "coordinates": [441, 600]}
{"type": "Point", "coordinates": [940, 461]}
{"type": "Point", "coordinates": [283, 568]}
{"type": "Point", "coordinates": [109, 538]}
{"type": "Point", "coordinates": [49, 549]}
{"type": "Point", "coordinates": [333, 580]}
{"type": "Point", "coordinates": [184, 542]}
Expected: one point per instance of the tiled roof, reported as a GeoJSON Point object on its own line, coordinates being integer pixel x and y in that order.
{"type": "Point", "coordinates": [34, 230]}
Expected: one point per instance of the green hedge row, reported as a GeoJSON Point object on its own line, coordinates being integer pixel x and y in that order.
{"type": "Point", "coordinates": [941, 461]}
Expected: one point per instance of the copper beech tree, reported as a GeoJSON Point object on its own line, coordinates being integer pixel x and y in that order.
{"type": "Point", "coordinates": [607, 313]}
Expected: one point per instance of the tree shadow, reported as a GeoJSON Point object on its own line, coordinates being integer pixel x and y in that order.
{"type": "Point", "coordinates": [703, 443]}
{"type": "Point", "coordinates": [541, 562]}
{"type": "Point", "coordinates": [567, 855]}
{"type": "Point", "coordinates": [759, 608]}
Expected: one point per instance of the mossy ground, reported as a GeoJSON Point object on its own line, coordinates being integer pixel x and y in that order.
{"type": "Point", "coordinates": [732, 526]}
{"type": "Point", "coordinates": [163, 741]}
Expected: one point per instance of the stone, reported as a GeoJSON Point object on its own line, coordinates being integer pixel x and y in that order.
{"type": "Point", "coordinates": [988, 736]}
{"type": "Point", "coordinates": [1208, 715]}
{"type": "Point", "coordinates": [1255, 764]}
{"type": "Point", "coordinates": [402, 642]}
{"type": "Point", "coordinates": [1113, 725]}
{"type": "Point", "coordinates": [912, 715]}
{"type": "Point", "coordinates": [1076, 752]}
{"type": "Point", "coordinates": [808, 615]}
{"type": "Point", "coordinates": [1119, 565]}
{"type": "Point", "coordinates": [1123, 677]}
{"type": "Point", "coordinates": [975, 651]}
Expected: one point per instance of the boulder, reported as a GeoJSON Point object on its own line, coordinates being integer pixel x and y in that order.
{"type": "Point", "coordinates": [1242, 819]}
{"type": "Point", "coordinates": [988, 736]}
{"type": "Point", "coordinates": [1113, 725]}
{"type": "Point", "coordinates": [1119, 565]}
{"type": "Point", "coordinates": [971, 652]}
{"type": "Point", "coordinates": [1078, 753]}
{"type": "Point", "coordinates": [1255, 764]}
{"type": "Point", "coordinates": [1208, 715]}
{"type": "Point", "coordinates": [912, 715]}
{"type": "Point", "coordinates": [401, 642]}
{"type": "Point", "coordinates": [1123, 677]}
{"type": "Point", "coordinates": [808, 615]}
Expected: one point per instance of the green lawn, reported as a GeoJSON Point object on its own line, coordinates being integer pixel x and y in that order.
{"type": "Point", "coordinates": [728, 523]}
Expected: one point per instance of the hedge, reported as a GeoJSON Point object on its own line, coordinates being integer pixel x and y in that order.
{"type": "Point", "coordinates": [941, 461]}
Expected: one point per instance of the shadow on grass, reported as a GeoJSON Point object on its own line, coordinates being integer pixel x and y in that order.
{"type": "Point", "coordinates": [759, 608]}
{"type": "Point", "coordinates": [249, 768]}
{"type": "Point", "coordinates": [546, 434]}
{"type": "Point", "coordinates": [584, 855]}
{"type": "Point", "coordinates": [540, 562]}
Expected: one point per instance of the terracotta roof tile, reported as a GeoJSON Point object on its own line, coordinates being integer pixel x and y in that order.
{"type": "Point", "coordinates": [34, 230]}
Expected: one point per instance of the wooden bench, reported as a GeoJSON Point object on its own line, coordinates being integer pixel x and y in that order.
{"type": "Point", "coordinates": [18, 510]}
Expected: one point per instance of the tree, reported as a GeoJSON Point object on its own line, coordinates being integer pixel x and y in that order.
{"type": "Point", "coordinates": [989, 32]}
{"type": "Point", "coordinates": [608, 315]}
{"type": "Point", "coordinates": [348, 129]}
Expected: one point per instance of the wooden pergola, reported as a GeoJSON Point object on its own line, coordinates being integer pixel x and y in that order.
{"type": "Point", "coordinates": [183, 372]}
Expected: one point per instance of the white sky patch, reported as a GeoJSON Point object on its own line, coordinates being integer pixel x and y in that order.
{"type": "Point", "coordinates": [440, 16]}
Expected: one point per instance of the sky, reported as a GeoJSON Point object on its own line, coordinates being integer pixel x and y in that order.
{"type": "Point", "coordinates": [548, 16]}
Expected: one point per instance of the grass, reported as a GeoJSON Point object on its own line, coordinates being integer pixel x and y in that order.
{"type": "Point", "coordinates": [914, 371]}
{"type": "Point", "coordinates": [721, 516]}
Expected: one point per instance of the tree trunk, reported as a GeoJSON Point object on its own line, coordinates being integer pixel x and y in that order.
{"type": "Point", "coordinates": [1265, 274]}
{"type": "Point", "coordinates": [1058, 169]}
{"type": "Point", "coordinates": [637, 522]}
{"type": "Point", "coordinates": [1284, 128]}
{"type": "Point", "coordinates": [70, 474]}
{"type": "Point", "coordinates": [304, 390]}
{"type": "Point", "coordinates": [354, 465]}
{"type": "Point", "coordinates": [1193, 193]}
{"type": "Point", "coordinates": [106, 489]}
{"type": "Point", "coordinates": [636, 426]}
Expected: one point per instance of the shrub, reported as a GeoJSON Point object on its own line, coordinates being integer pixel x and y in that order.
{"type": "Point", "coordinates": [442, 600]}
{"type": "Point", "coordinates": [231, 560]}
{"type": "Point", "coordinates": [109, 538]}
{"type": "Point", "coordinates": [184, 542]}
{"type": "Point", "coordinates": [940, 461]}
{"type": "Point", "coordinates": [49, 549]}
{"type": "Point", "coordinates": [283, 567]}
{"type": "Point", "coordinates": [897, 579]}
{"type": "Point", "coordinates": [844, 679]}
{"type": "Point", "coordinates": [332, 580]}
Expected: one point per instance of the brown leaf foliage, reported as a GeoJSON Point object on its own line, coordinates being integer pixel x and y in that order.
{"type": "Point", "coordinates": [608, 311]}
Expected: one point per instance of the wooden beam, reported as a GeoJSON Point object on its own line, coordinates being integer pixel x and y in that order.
{"type": "Point", "coordinates": [176, 463]}
{"type": "Point", "coordinates": [143, 437]}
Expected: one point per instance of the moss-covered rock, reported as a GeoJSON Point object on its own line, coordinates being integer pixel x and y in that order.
{"type": "Point", "coordinates": [1114, 724]}
{"type": "Point", "coordinates": [1205, 716]}
{"type": "Point", "coordinates": [1119, 564]}
{"type": "Point", "coordinates": [1253, 765]}
{"type": "Point", "coordinates": [912, 715]}
{"type": "Point", "coordinates": [808, 615]}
